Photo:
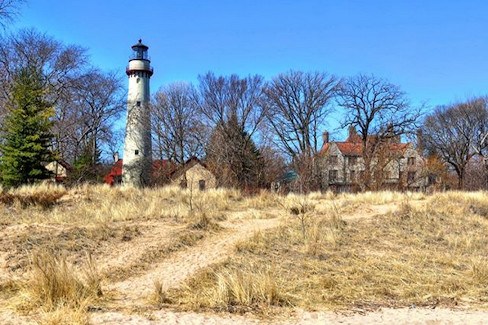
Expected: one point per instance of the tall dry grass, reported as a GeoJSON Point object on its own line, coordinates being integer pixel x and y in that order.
{"type": "Point", "coordinates": [101, 204]}
{"type": "Point", "coordinates": [41, 195]}
{"type": "Point", "coordinates": [226, 288]}
{"type": "Point", "coordinates": [58, 292]}
{"type": "Point", "coordinates": [429, 251]}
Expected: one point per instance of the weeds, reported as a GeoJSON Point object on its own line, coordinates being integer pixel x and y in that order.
{"type": "Point", "coordinates": [53, 283]}
{"type": "Point", "coordinates": [44, 196]}
{"type": "Point", "coordinates": [233, 289]}
{"type": "Point", "coordinates": [53, 287]}
{"type": "Point", "coordinates": [158, 297]}
{"type": "Point", "coordinates": [430, 251]}
{"type": "Point", "coordinates": [202, 222]}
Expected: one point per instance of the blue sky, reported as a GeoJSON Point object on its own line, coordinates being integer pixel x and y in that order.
{"type": "Point", "coordinates": [436, 51]}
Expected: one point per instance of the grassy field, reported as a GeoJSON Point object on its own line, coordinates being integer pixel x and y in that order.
{"type": "Point", "coordinates": [68, 253]}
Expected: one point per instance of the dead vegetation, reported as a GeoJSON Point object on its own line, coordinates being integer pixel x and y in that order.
{"type": "Point", "coordinates": [331, 252]}
{"type": "Point", "coordinates": [43, 196]}
{"type": "Point", "coordinates": [54, 289]}
{"type": "Point", "coordinates": [45, 246]}
{"type": "Point", "coordinates": [423, 254]}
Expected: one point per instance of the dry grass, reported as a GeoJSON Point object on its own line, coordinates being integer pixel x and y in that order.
{"type": "Point", "coordinates": [58, 292]}
{"type": "Point", "coordinates": [194, 233]}
{"type": "Point", "coordinates": [431, 251]}
{"type": "Point", "coordinates": [425, 250]}
{"type": "Point", "coordinates": [224, 287]}
{"type": "Point", "coordinates": [101, 203]}
{"type": "Point", "coordinates": [73, 241]}
{"type": "Point", "coordinates": [44, 196]}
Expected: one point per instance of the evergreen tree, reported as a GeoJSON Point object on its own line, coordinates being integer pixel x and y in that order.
{"type": "Point", "coordinates": [87, 166]}
{"type": "Point", "coordinates": [26, 128]}
{"type": "Point", "coordinates": [234, 157]}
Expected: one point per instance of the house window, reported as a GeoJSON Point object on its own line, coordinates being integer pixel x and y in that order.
{"type": "Point", "coordinates": [136, 152]}
{"type": "Point", "coordinates": [332, 175]}
{"type": "Point", "coordinates": [411, 161]}
{"type": "Point", "coordinates": [353, 160]}
{"type": "Point", "coordinates": [138, 103]}
{"type": "Point", "coordinates": [333, 160]}
{"type": "Point", "coordinates": [352, 175]}
{"type": "Point", "coordinates": [411, 177]}
{"type": "Point", "coordinates": [201, 185]}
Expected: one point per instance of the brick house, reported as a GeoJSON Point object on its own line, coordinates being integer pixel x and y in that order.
{"type": "Point", "coordinates": [396, 165]}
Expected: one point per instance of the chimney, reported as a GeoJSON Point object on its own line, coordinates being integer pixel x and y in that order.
{"type": "Point", "coordinates": [325, 137]}
{"type": "Point", "coordinates": [420, 141]}
{"type": "Point", "coordinates": [116, 157]}
{"type": "Point", "coordinates": [353, 136]}
{"type": "Point", "coordinates": [352, 131]}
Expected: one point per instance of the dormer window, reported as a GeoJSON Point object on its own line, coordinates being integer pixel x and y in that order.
{"type": "Point", "coordinates": [333, 160]}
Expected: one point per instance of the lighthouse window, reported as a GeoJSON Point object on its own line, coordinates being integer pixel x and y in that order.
{"type": "Point", "coordinates": [138, 104]}
{"type": "Point", "coordinates": [136, 152]}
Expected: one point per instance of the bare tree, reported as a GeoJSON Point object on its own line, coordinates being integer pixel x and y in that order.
{"type": "Point", "coordinates": [85, 115]}
{"type": "Point", "coordinates": [480, 121]}
{"type": "Point", "coordinates": [456, 133]}
{"type": "Point", "coordinates": [380, 113]}
{"type": "Point", "coordinates": [177, 124]}
{"type": "Point", "coordinates": [9, 9]}
{"type": "Point", "coordinates": [298, 104]}
{"type": "Point", "coordinates": [232, 108]}
{"type": "Point", "coordinates": [222, 98]}
{"type": "Point", "coordinates": [61, 64]}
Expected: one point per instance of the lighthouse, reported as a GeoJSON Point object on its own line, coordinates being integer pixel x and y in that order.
{"type": "Point", "coordinates": [137, 162]}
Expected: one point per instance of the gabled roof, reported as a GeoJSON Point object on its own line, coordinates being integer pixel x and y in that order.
{"type": "Point", "coordinates": [61, 162]}
{"type": "Point", "coordinates": [157, 165]}
{"type": "Point", "coordinates": [186, 166]}
{"type": "Point", "coordinates": [65, 164]}
{"type": "Point", "coordinates": [353, 145]}
{"type": "Point", "coordinates": [356, 149]}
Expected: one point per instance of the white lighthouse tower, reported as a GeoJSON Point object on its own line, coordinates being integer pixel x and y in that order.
{"type": "Point", "coordinates": [136, 170]}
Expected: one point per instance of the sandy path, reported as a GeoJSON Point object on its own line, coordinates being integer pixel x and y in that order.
{"type": "Point", "coordinates": [217, 247]}
{"type": "Point", "coordinates": [186, 262]}
{"type": "Point", "coordinates": [403, 316]}
{"type": "Point", "coordinates": [154, 234]}
{"type": "Point", "coordinates": [371, 211]}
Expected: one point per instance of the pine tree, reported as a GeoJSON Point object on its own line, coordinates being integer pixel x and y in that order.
{"type": "Point", "coordinates": [234, 157]}
{"type": "Point", "coordinates": [86, 166]}
{"type": "Point", "coordinates": [26, 128]}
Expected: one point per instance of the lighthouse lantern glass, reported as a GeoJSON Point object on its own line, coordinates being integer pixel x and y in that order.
{"type": "Point", "coordinates": [140, 53]}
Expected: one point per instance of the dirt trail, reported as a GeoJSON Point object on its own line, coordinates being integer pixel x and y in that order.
{"type": "Point", "coordinates": [371, 211]}
{"type": "Point", "coordinates": [217, 247]}
{"type": "Point", "coordinates": [387, 316]}
{"type": "Point", "coordinates": [154, 234]}
{"type": "Point", "coordinates": [186, 262]}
